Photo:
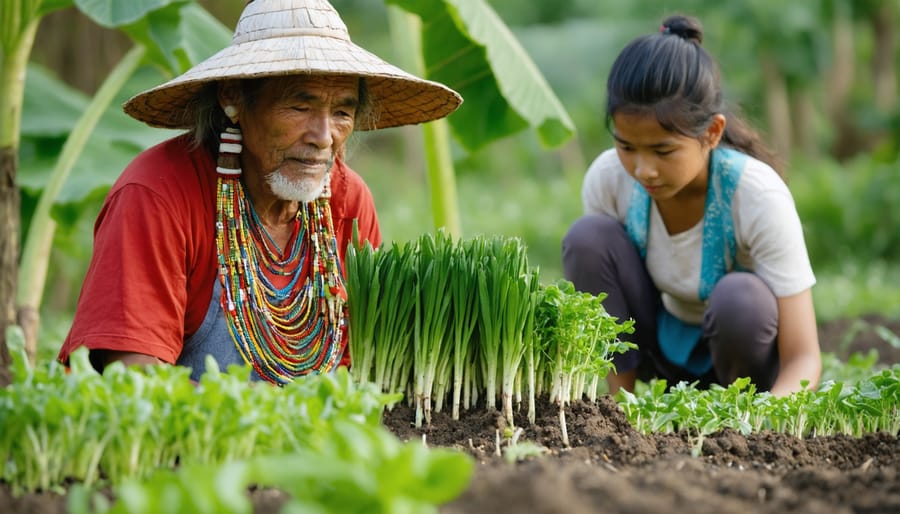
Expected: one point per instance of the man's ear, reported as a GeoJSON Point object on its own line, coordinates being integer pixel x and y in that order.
{"type": "Point", "coordinates": [230, 99]}
{"type": "Point", "coordinates": [715, 130]}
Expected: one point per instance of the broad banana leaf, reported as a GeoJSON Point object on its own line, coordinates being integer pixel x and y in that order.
{"type": "Point", "coordinates": [466, 46]}
{"type": "Point", "coordinates": [176, 33]}
{"type": "Point", "coordinates": [116, 13]}
{"type": "Point", "coordinates": [52, 109]}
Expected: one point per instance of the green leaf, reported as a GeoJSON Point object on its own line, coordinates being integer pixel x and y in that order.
{"type": "Point", "coordinates": [468, 47]}
{"type": "Point", "coordinates": [159, 31]}
{"type": "Point", "coordinates": [50, 111]}
{"type": "Point", "coordinates": [115, 13]}
{"type": "Point", "coordinates": [202, 33]}
{"type": "Point", "coordinates": [230, 483]}
{"type": "Point", "coordinates": [446, 476]}
{"type": "Point", "coordinates": [48, 6]}
{"type": "Point", "coordinates": [179, 36]}
{"type": "Point", "coordinates": [520, 80]}
{"type": "Point", "coordinates": [50, 107]}
{"type": "Point", "coordinates": [100, 164]}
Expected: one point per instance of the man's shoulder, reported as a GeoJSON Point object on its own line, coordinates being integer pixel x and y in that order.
{"type": "Point", "coordinates": [344, 176]}
{"type": "Point", "coordinates": [347, 185]}
{"type": "Point", "coordinates": [175, 162]}
{"type": "Point", "coordinates": [174, 175]}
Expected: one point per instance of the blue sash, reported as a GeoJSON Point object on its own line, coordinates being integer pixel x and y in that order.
{"type": "Point", "coordinates": [677, 339]}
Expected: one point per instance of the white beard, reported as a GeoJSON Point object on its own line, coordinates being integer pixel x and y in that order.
{"type": "Point", "coordinates": [305, 190]}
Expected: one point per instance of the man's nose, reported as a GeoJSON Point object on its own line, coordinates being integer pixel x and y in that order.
{"type": "Point", "coordinates": [318, 130]}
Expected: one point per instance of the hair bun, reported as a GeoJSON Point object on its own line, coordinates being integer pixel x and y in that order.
{"type": "Point", "coordinates": [685, 27]}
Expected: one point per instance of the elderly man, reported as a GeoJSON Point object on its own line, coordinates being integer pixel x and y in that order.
{"type": "Point", "coordinates": [229, 239]}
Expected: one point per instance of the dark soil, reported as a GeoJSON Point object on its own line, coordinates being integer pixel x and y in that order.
{"type": "Point", "coordinates": [610, 468]}
{"type": "Point", "coordinates": [846, 336]}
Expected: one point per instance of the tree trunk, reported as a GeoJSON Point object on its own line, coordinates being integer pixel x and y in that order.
{"type": "Point", "coordinates": [804, 119]}
{"type": "Point", "coordinates": [9, 253]}
{"type": "Point", "coordinates": [840, 77]}
{"type": "Point", "coordinates": [778, 109]}
{"type": "Point", "coordinates": [884, 73]}
{"type": "Point", "coordinates": [849, 139]}
{"type": "Point", "coordinates": [77, 49]}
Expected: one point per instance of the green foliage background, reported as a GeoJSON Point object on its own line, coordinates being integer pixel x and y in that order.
{"type": "Point", "coordinates": [517, 187]}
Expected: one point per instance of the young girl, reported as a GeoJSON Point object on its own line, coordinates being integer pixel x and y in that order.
{"type": "Point", "coordinates": [690, 230]}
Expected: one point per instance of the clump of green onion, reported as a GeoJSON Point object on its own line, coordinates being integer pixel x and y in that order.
{"type": "Point", "coordinates": [578, 338]}
{"type": "Point", "coordinates": [473, 314]}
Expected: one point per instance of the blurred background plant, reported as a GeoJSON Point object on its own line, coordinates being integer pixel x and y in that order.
{"type": "Point", "coordinates": [818, 78]}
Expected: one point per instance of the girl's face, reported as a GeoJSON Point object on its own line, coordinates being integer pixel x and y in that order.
{"type": "Point", "coordinates": [667, 164]}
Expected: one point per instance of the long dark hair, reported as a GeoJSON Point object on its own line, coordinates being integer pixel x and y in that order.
{"type": "Point", "coordinates": [669, 74]}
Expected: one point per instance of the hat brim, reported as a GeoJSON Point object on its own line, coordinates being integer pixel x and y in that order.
{"type": "Point", "coordinates": [398, 97]}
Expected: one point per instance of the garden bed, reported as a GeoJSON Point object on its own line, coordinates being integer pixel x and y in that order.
{"type": "Point", "coordinates": [613, 468]}
{"type": "Point", "coordinates": [610, 467]}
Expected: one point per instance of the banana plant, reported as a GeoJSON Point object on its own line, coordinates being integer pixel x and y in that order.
{"type": "Point", "coordinates": [19, 21]}
{"type": "Point", "coordinates": [169, 35]}
{"type": "Point", "coordinates": [467, 46]}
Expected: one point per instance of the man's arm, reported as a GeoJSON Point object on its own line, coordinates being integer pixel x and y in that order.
{"type": "Point", "coordinates": [103, 358]}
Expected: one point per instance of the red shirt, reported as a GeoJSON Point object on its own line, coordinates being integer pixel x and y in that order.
{"type": "Point", "coordinates": [151, 275]}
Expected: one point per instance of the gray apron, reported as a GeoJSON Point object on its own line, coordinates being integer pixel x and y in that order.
{"type": "Point", "coordinates": [212, 338]}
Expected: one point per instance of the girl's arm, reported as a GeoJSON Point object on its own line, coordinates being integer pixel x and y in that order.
{"type": "Point", "coordinates": [798, 344]}
{"type": "Point", "coordinates": [624, 380]}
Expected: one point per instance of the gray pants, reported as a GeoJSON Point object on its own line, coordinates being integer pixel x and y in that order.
{"type": "Point", "coordinates": [740, 324]}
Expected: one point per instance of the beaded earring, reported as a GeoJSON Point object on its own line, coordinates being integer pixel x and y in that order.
{"type": "Point", "coordinates": [229, 161]}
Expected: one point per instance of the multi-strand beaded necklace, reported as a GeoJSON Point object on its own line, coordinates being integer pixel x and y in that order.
{"type": "Point", "coordinates": [282, 332]}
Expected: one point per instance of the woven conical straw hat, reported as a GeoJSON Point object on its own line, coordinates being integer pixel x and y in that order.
{"type": "Point", "coordinates": [295, 37]}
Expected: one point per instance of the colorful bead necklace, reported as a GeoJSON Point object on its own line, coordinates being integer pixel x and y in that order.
{"type": "Point", "coordinates": [282, 332]}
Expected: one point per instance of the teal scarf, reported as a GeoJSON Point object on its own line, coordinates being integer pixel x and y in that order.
{"type": "Point", "coordinates": [678, 339]}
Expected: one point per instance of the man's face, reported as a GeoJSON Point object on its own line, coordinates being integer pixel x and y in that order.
{"type": "Point", "coordinates": [294, 130]}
